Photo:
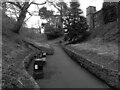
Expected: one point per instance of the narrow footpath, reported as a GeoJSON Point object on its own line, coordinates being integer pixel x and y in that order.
{"type": "Point", "coordinates": [61, 71]}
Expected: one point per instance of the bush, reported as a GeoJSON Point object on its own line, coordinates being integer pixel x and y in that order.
{"type": "Point", "coordinates": [53, 33]}
{"type": "Point", "coordinates": [82, 38]}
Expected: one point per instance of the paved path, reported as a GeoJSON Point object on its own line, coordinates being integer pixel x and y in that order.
{"type": "Point", "coordinates": [62, 72]}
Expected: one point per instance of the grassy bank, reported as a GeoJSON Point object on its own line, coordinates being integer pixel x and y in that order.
{"type": "Point", "coordinates": [14, 50]}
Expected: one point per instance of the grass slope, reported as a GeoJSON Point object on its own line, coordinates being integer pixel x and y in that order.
{"type": "Point", "coordinates": [103, 43]}
{"type": "Point", "coordinates": [15, 47]}
{"type": "Point", "coordinates": [108, 32]}
{"type": "Point", "coordinates": [13, 53]}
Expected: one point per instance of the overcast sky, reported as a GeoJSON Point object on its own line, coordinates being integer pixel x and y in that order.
{"type": "Point", "coordinates": [33, 21]}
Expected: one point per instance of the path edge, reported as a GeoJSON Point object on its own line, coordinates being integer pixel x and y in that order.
{"type": "Point", "coordinates": [110, 77]}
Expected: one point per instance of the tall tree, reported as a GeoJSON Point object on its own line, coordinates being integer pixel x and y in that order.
{"type": "Point", "coordinates": [75, 23]}
{"type": "Point", "coordinates": [45, 14]}
{"type": "Point", "coordinates": [23, 8]}
{"type": "Point", "coordinates": [62, 7]}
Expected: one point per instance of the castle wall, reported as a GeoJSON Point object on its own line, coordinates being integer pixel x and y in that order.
{"type": "Point", "coordinates": [90, 11]}
{"type": "Point", "coordinates": [98, 19]}
{"type": "Point", "coordinates": [90, 21]}
{"type": "Point", "coordinates": [110, 12]}
{"type": "Point", "coordinates": [106, 15]}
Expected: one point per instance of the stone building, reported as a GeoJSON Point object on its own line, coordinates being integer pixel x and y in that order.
{"type": "Point", "coordinates": [107, 14]}
{"type": "Point", "coordinates": [90, 14]}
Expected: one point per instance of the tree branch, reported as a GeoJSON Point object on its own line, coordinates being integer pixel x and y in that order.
{"type": "Point", "coordinates": [27, 19]}
{"type": "Point", "coordinates": [54, 5]}
{"type": "Point", "coordinates": [30, 14]}
{"type": "Point", "coordinates": [19, 4]}
{"type": "Point", "coordinates": [38, 3]}
{"type": "Point", "coordinates": [15, 12]}
{"type": "Point", "coordinates": [15, 4]}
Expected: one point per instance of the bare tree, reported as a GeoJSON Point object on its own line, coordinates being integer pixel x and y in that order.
{"type": "Point", "coordinates": [23, 7]}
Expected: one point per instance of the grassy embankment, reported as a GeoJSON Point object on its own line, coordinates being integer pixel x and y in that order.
{"type": "Point", "coordinates": [103, 44]}
{"type": "Point", "coordinates": [14, 51]}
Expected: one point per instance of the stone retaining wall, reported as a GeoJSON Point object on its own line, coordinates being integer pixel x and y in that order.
{"type": "Point", "coordinates": [28, 59]}
{"type": "Point", "coordinates": [42, 47]}
{"type": "Point", "coordinates": [20, 78]}
{"type": "Point", "coordinates": [26, 63]}
{"type": "Point", "coordinates": [109, 76]}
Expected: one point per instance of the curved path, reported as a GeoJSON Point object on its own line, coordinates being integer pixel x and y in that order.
{"type": "Point", "coordinates": [61, 71]}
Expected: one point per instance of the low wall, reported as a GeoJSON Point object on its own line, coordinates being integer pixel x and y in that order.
{"type": "Point", "coordinates": [26, 62]}
{"type": "Point", "coordinates": [20, 78]}
{"type": "Point", "coordinates": [42, 47]}
{"type": "Point", "coordinates": [28, 59]}
{"type": "Point", "coordinates": [109, 76]}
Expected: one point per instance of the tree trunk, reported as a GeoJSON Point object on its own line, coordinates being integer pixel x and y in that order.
{"type": "Point", "coordinates": [21, 18]}
{"type": "Point", "coordinates": [61, 21]}
{"type": "Point", "coordinates": [19, 23]}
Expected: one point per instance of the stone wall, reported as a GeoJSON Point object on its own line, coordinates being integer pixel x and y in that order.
{"type": "Point", "coordinates": [107, 14]}
{"type": "Point", "coordinates": [109, 11]}
{"type": "Point", "coordinates": [98, 19]}
{"type": "Point", "coordinates": [39, 46]}
{"type": "Point", "coordinates": [26, 62]}
{"type": "Point", "coordinates": [107, 75]}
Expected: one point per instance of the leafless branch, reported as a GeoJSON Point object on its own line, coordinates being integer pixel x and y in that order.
{"type": "Point", "coordinates": [38, 7]}
{"type": "Point", "coordinates": [16, 4]}
{"type": "Point", "coordinates": [15, 12]}
{"type": "Point", "coordinates": [29, 13]}
{"type": "Point", "coordinates": [19, 4]}
{"type": "Point", "coordinates": [27, 19]}
{"type": "Point", "coordinates": [54, 5]}
{"type": "Point", "coordinates": [38, 3]}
